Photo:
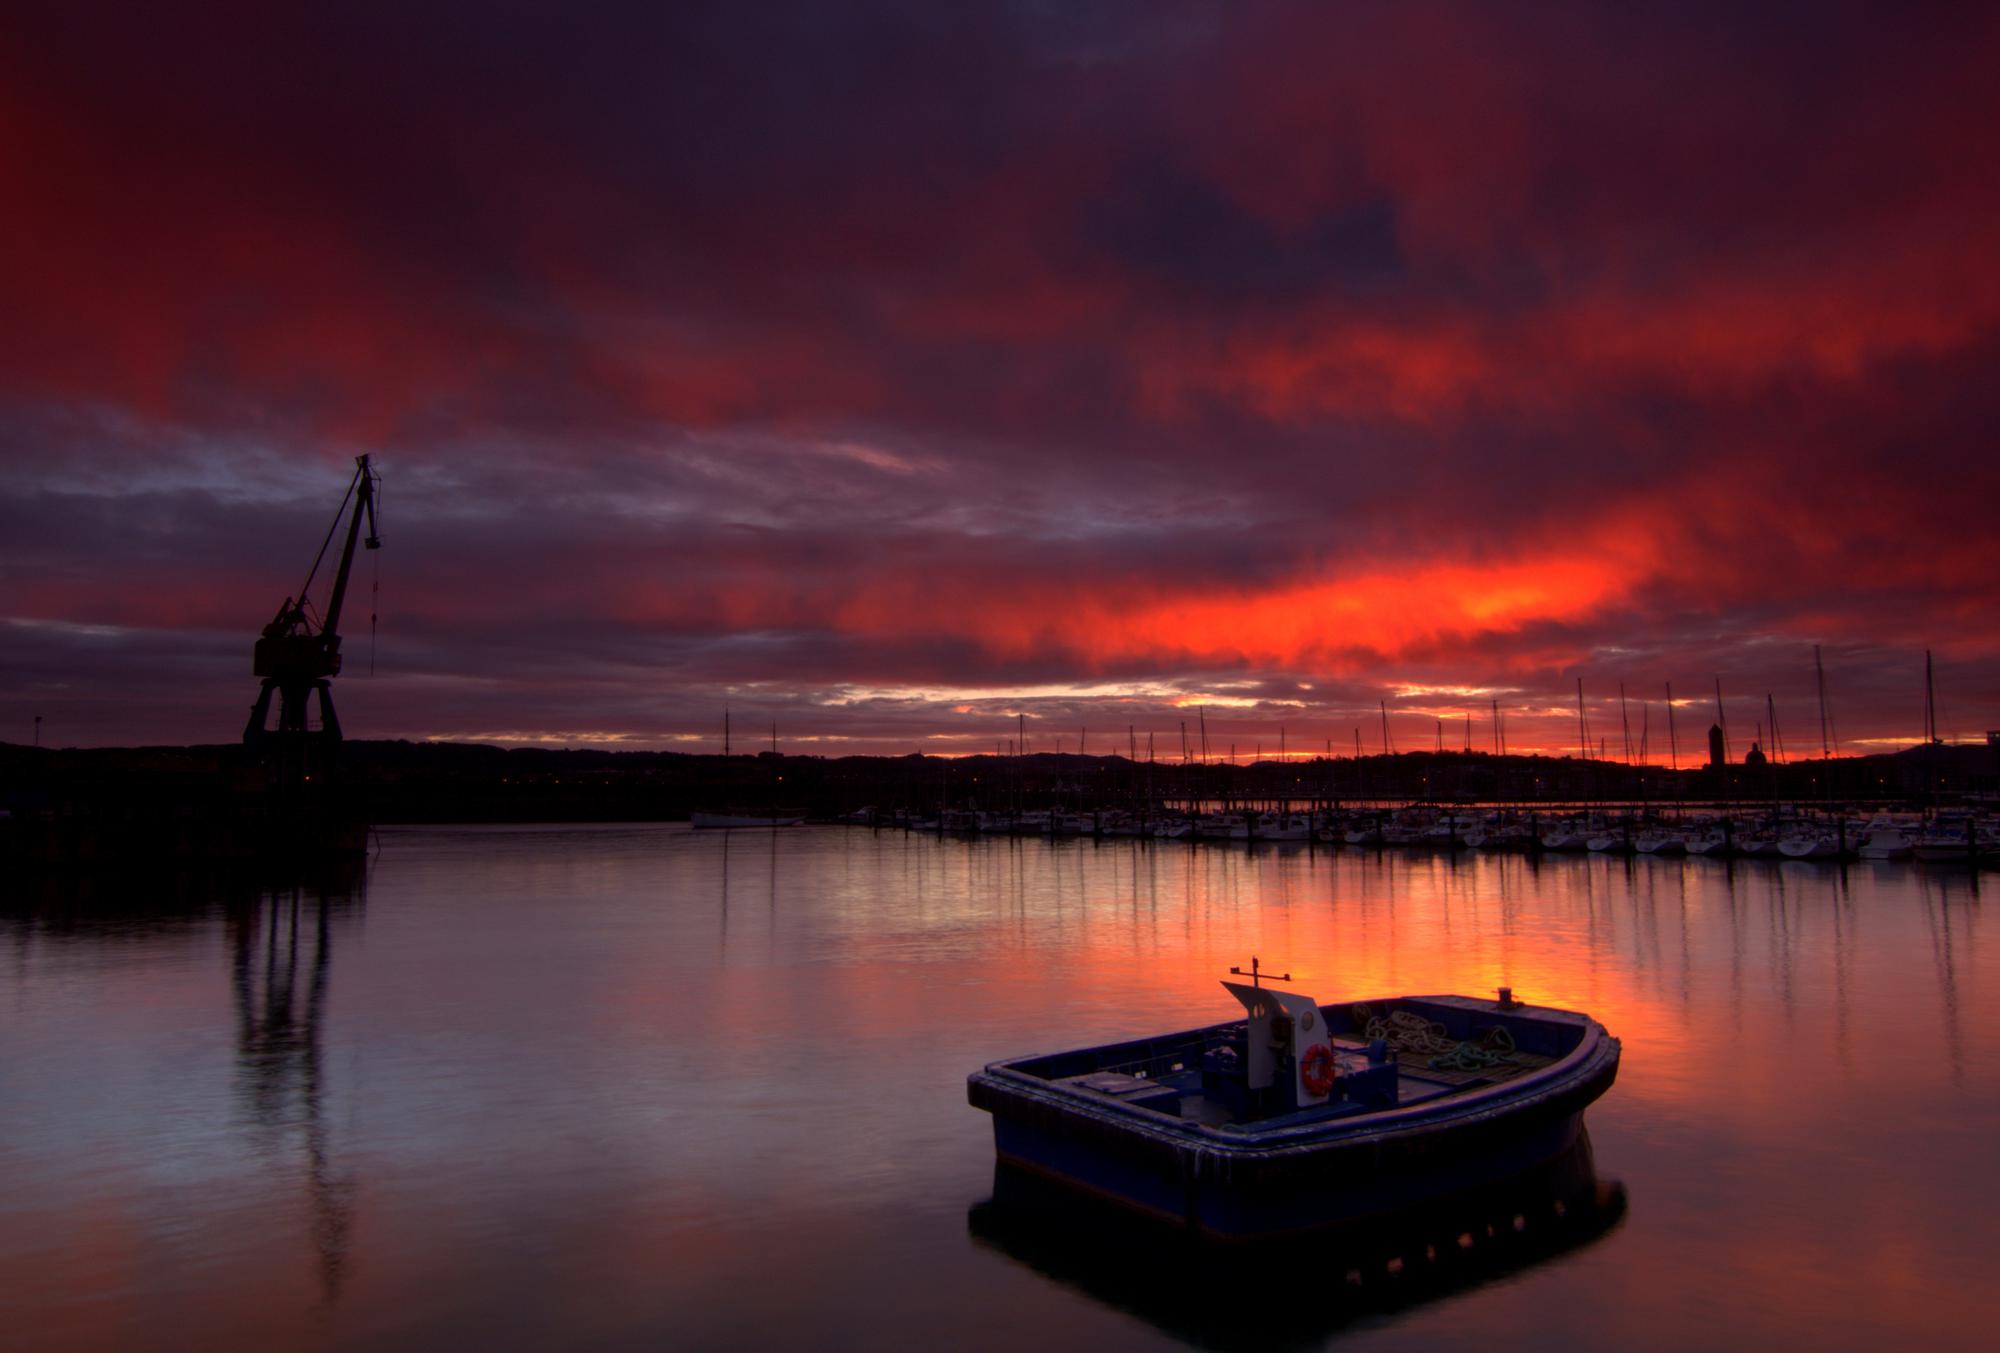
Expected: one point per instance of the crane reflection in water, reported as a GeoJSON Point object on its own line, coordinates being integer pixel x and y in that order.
{"type": "Point", "coordinates": [281, 963]}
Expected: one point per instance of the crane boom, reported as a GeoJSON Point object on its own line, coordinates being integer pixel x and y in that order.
{"type": "Point", "coordinates": [295, 655]}
{"type": "Point", "coordinates": [363, 492]}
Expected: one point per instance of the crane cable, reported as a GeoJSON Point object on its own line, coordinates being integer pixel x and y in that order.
{"type": "Point", "coordinates": [375, 586]}
{"type": "Point", "coordinates": [319, 558]}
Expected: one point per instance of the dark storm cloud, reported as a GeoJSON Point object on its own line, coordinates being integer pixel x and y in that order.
{"type": "Point", "coordinates": [847, 357]}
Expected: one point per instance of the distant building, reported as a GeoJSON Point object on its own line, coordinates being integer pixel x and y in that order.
{"type": "Point", "coordinates": [1754, 757]}
{"type": "Point", "coordinates": [1717, 758]}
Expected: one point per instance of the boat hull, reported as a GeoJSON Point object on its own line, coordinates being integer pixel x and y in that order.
{"type": "Point", "coordinates": [722, 820]}
{"type": "Point", "coordinates": [1234, 1188]}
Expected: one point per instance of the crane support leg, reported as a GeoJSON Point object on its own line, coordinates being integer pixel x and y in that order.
{"type": "Point", "coordinates": [260, 713]}
{"type": "Point", "coordinates": [329, 723]}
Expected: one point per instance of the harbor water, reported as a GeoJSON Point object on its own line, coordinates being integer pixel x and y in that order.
{"type": "Point", "coordinates": [644, 1087]}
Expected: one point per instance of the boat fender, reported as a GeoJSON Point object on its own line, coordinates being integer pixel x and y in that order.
{"type": "Point", "coordinates": [1316, 1069]}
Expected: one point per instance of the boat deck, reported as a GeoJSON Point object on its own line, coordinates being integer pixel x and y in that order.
{"type": "Point", "coordinates": [1166, 1075]}
{"type": "Point", "coordinates": [1417, 1082]}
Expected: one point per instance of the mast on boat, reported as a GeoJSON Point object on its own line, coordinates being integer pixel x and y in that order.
{"type": "Point", "coordinates": [1930, 703]}
{"type": "Point", "coordinates": [1673, 749]}
{"type": "Point", "coordinates": [1931, 744]}
{"type": "Point", "coordinates": [1819, 676]}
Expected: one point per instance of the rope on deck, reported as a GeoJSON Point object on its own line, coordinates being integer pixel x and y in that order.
{"type": "Point", "coordinates": [1412, 1033]}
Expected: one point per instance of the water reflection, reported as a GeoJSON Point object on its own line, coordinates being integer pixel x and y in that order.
{"type": "Point", "coordinates": [1287, 1294]}
{"type": "Point", "coordinates": [1945, 939]}
{"type": "Point", "coordinates": [281, 966]}
{"type": "Point", "coordinates": [280, 941]}
{"type": "Point", "coordinates": [615, 1087]}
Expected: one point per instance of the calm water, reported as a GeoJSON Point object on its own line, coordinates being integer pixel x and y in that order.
{"type": "Point", "coordinates": [641, 1088]}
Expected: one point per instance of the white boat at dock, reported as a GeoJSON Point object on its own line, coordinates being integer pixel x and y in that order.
{"type": "Point", "coordinates": [1568, 836]}
{"type": "Point", "coordinates": [707, 820]}
{"type": "Point", "coordinates": [1810, 843]}
{"type": "Point", "coordinates": [1660, 841]}
{"type": "Point", "coordinates": [1708, 841]}
{"type": "Point", "coordinates": [1222, 827]}
{"type": "Point", "coordinates": [1282, 827]}
{"type": "Point", "coordinates": [1885, 839]}
{"type": "Point", "coordinates": [1959, 841]}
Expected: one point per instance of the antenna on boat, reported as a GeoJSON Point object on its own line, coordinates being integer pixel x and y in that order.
{"type": "Point", "coordinates": [1256, 973]}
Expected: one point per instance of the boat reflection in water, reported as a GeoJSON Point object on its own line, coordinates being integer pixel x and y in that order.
{"type": "Point", "coordinates": [1294, 1293]}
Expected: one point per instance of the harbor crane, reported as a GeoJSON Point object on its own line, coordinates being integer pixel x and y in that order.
{"type": "Point", "coordinates": [299, 650]}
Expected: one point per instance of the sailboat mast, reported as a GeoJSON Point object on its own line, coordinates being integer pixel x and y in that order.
{"type": "Point", "coordinates": [1673, 743]}
{"type": "Point", "coordinates": [1930, 703]}
{"type": "Point", "coordinates": [1819, 675]}
{"type": "Point", "coordinates": [1722, 720]}
{"type": "Point", "coordinates": [1625, 720]}
{"type": "Point", "coordinates": [1582, 732]}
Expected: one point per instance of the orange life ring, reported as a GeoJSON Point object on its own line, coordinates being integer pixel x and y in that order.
{"type": "Point", "coordinates": [1316, 1069]}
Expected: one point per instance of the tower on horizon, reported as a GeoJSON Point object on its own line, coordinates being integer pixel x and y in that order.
{"type": "Point", "coordinates": [1717, 758]}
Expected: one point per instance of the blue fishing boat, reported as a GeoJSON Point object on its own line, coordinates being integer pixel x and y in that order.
{"type": "Point", "coordinates": [1303, 1116]}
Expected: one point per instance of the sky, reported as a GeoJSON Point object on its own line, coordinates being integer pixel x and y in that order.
{"type": "Point", "coordinates": [904, 374]}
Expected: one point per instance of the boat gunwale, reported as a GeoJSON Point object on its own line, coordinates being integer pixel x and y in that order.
{"type": "Point", "coordinates": [1594, 1050]}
